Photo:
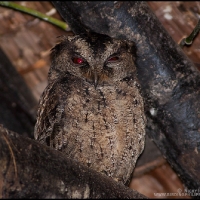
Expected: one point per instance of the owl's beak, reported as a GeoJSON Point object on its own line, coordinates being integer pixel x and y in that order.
{"type": "Point", "coordinates": [95, 79]}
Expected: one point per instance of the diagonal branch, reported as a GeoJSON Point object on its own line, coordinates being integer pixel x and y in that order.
{"type": "Point", "coordinates": [43, 172]}
{"type": "Point", "coordinates": [35, 13]}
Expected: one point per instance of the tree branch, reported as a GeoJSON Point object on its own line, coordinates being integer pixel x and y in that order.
{"type": "Point", "coordinates": [31, 170]}
{"type": "Point", "coordinates": [17, 102]}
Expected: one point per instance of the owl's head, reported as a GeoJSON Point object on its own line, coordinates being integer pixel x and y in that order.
{"type": "Point", "coordinates": [95, 58]}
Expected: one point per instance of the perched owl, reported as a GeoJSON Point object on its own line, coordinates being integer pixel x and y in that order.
{"type": "Point", "coordinates": [92, 109]}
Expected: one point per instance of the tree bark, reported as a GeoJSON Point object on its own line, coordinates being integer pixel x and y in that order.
{"type": "Point", "coordinates": [31, 170]}
{"type": "Point", "coordinates": [169, 81]}
{"type": "Point", "coordinates": [16, 100]}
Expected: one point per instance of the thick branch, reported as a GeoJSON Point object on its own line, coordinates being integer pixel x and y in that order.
{"type": "Point", "coordinates": [170, 83]}
{"type": "Point", "coordinates": [31, 170]}
{"type": "Point", "coordinates": [16, 100]}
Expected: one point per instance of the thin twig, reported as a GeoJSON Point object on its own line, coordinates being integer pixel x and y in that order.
{"type": "Point", "coordinates": [188, 40]}
{"type": "Point", "coordinates": [35, 13]}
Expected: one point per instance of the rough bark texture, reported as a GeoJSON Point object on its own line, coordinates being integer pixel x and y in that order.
{"type": "Point", "coordinates": [31, 170]}
{"type": "Point", "coordinates": [16, 100]}
{"type": "Point", "coordinates": [170, 83]}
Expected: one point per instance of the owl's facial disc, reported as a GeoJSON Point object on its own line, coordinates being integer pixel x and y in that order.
{"type": "Point", "coordinates": [94, 74]}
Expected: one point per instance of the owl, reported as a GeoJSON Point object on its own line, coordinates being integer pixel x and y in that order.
{"type": "Point", "coordinates": [92, 109]}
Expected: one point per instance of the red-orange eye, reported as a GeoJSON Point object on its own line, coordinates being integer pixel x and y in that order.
{"type": "Point", "coordinates": [114, 58]}
{"type": "Point", "coordinates": [77, 60]}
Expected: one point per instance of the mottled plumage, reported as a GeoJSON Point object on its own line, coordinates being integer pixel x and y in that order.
{"type": "Point", "coordinates": [92, 108]}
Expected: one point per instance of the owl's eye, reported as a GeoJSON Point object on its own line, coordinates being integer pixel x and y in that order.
{"type": "Point", "coordinates": [113, 59]}
{"type": "Point", "coordinates": [78, 60]}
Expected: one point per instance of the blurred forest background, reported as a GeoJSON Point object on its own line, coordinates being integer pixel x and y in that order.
{"type": "Point", "coordinates": [27, 41]}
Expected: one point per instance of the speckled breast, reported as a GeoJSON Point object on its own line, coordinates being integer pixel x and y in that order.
{"type": "Point", "coordinates": [105, 128]}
